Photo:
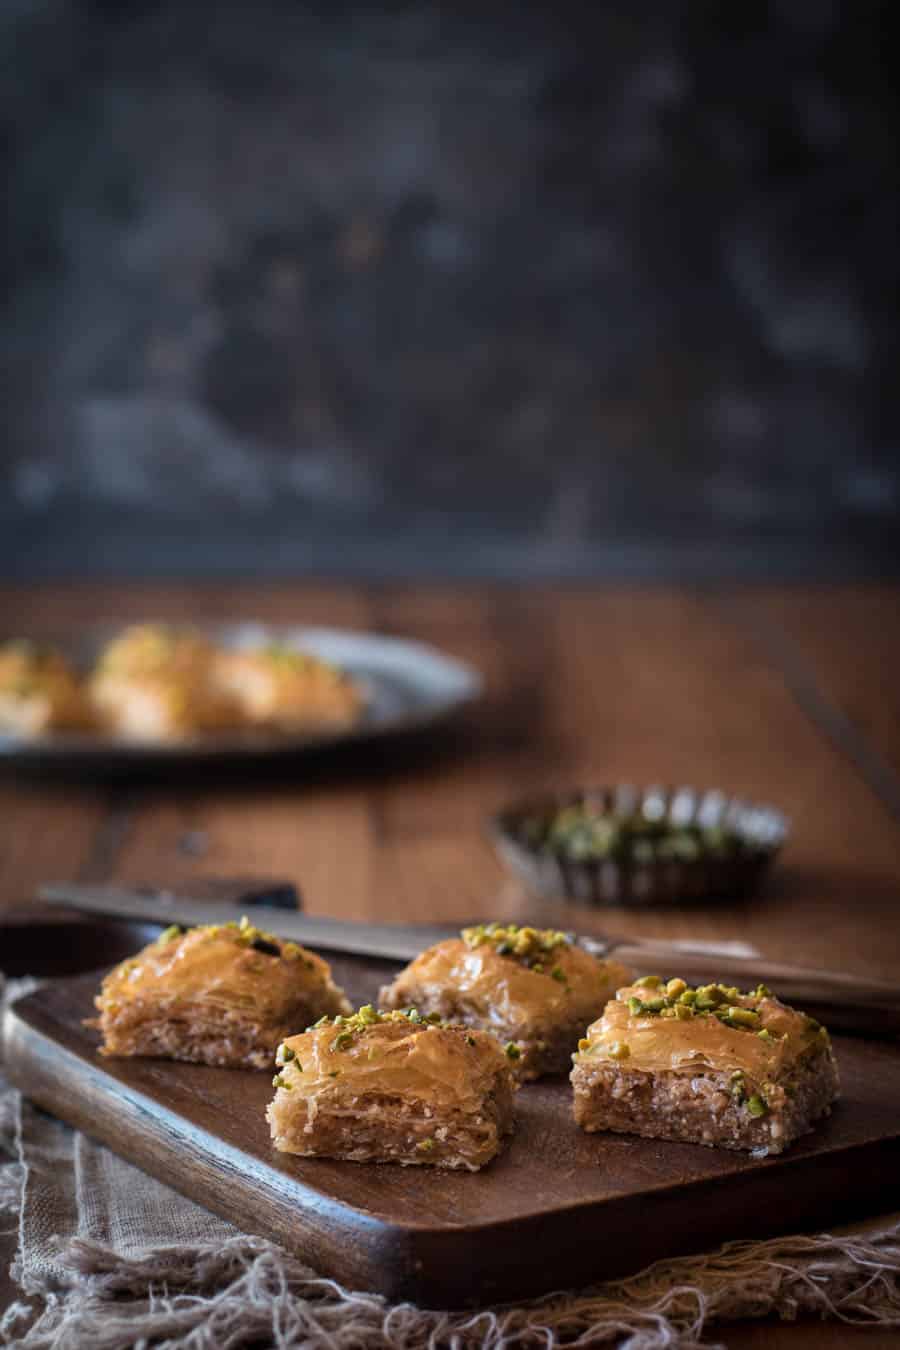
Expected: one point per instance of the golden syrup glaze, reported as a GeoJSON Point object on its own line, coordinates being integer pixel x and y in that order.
{"type": "Point", "coordinates": [396, 1055]}
{"type": "Point", "coordinates": [775, 1039]}
{"type": "Point", "coordinates": [566, 983]}
{"type": "Point", "coordinates": [218, 965]}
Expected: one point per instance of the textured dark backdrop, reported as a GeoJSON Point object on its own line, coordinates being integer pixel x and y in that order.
{"type": "Point", "coordinates": [549, 288]}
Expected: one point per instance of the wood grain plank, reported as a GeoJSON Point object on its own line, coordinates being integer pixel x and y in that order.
{"type": "Point", "coordinates": [49, 831]}
{"type": "Point", "coordinates": [842, 645]}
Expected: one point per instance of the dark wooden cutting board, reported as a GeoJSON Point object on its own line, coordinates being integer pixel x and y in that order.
{"type": "Point", "coordinates": [558, 1209]}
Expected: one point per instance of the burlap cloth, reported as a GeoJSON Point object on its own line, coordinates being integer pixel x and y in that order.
{"type": "Point", "coordinates": [109, 1258]}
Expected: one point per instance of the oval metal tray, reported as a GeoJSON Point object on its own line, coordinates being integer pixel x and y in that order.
{"type": "Point", "coordinates": [407, 686]}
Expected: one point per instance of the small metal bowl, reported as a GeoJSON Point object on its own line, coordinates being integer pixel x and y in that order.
{"type": "Point", "coordinates": [625, 880]}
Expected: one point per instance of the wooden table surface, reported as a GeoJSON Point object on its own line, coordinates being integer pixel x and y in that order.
{"type": "Point", "coordinates": [788, 695]}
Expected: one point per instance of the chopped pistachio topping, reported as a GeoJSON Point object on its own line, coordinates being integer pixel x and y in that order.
{"type": "Point", "coordinates": [512, 1050]}
{"type": "Point", "coordinates": [756, 1106]}
{"type": "Point", "coordinates": [584, 1044]}
{"type": "Point", "coordinates": [528, 946]}
{"type": "Point", "coordinates": [675, 999]}
{"type": "Point", "coordinates": [654, 1005]}
{"type": "Point", "coordinates": [426, 1145]}
{"type": "Point", "coordinates": [280, 1082]}
{"type": "Point", "coordinates": [741, 1017]}
{"type": "Point", "coordinates": [618, 1050]}
{"type": "Point", "coordinates": [470, 1040]}
{"type": "Point", "coordinates": [368, 1016]}
{"type": "Point", "coordinates": [169, 934]}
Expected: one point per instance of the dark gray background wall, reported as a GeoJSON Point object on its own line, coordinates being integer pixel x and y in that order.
{"type": "Point", "coordinates": [503, 288]}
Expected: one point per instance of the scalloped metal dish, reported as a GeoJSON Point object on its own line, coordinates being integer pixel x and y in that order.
{"type": "Point", "coordinates": [407, 686]}
{"type": "Point", "coordinates": [662, 882]}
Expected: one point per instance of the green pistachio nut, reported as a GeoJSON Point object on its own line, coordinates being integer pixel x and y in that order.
{"type": "Point", "coordinates": [743, 1017]}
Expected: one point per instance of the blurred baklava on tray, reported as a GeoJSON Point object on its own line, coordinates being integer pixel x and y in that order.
{"type": "Point", "coordinates": [153, 683]}
{"type": "Point", "coordinates": [708, 1065]}
{"type": "Point", "coordinates": [392, 1087]}
{"type": "Point", "coordinates": [282, 687]}
{"type": "Point", "coordinates": [533, 988]}
{"type": "Point", "coordinates": [39, 692]}
{"type": "Point", "coordinates": [223, 995]}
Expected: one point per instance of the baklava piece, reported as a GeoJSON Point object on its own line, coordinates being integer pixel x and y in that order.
{"type": "Point", "coordinates": [533, 988]}
{"type": "Point", "coordinates": [290, 690]}
{"type": "Point", "coordinates": [39, 692]}
{"type": "Point", "coordinates": [154, 683]}
{"type": "Point", "coordinates": [392, 1087]}
{"type": "Point", "coordinates": [706, 1066]}
{"type": "Point", "coordinates": [224, 995]}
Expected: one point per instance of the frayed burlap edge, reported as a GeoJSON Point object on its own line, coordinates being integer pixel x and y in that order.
{"type": "Point", "coordinates": [248, 1291]}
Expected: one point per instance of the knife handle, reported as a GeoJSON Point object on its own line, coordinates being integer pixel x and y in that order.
{"type": "Point", "coordinates": [851, 1002]}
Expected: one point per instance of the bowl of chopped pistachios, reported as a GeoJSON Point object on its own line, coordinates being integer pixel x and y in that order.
{"type": "Point", "coordinates": [626, 845]}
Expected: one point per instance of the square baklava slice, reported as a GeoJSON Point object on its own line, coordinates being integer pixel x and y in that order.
{"type": "Point", "coordinates": [392, 1087]}
{"type": "Point", "coordinates": [708, 1065]}
{"type": "Point", "coordinates": [224, 995]}
{"type": "Point", "coordinates": [533, 988]}
{"type": "Point", "coordinates": [39, 691]}
{"type": "Point", "coordinates": [155, 683]}
{"type": "Point", "coordinates": [287, 689]}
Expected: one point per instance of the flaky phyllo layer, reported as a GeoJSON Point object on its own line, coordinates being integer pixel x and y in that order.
{"type": "Point", "coordinates": [222, 994]}
{"type": "Point", "coordinates": [392, 1087]}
